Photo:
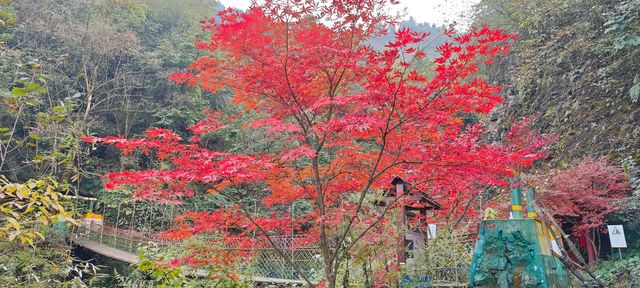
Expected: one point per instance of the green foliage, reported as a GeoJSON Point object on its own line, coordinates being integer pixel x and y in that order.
{"type": "Point", "coordinates": [149, 273]}
{"type": "Point", "coordinates": [73, 67]}
{"type": "Point", "coordinates": [630, 207]}
{"type": "Point", "coordinates": [170, 14]}
{"type": "Point", "coordinates": [634, 92]}
{"type": "Point", "coordinates": [445, 258]}
{"type": "Point", "coordinates": [46, 264]}
{"type": "Point", "coordinates": [222, 275]}
{"type": "Point", "coordinates": [622, 24]}
{"type": "Point", "coordinates": [164, 277]}
{"type": "Point", "coordinates": [36, 130]}
{"type": "Point", "coordinates": [152, 272]}
{"type": "Point", "coordinates": [107, 64]}
{"type": "Point", "coordinates": [490, 214]}
{"type": "Point", "coordinates": [181, 116]}
{"type": "Point", "coordinates": [623, 27]}
{"type": "Point", "coordinates": [620, 273]}
{"type": "Point", "coordinates": [529, 17]}
{"type": "Point", "coordinates": [27, 85]}
{"type": "Point", "coordinates": [576, 63]}
{"type": "Point", "coordinates": [6, 17]}
{"type": "Point", "coordinates": [41, 266]}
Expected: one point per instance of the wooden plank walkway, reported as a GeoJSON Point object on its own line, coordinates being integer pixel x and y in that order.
{"type": "Point", "coordinates": [106, 250]}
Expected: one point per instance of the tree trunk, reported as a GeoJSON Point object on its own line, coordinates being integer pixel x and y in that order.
{"type": "Point", "coordinates": [330, 276]}
{"type": "Point", "coordinates": [591, 250]}
{"type": "Point", "coordinates": [366, 274]}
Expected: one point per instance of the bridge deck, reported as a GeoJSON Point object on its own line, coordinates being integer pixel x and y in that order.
{"type": "Point", "coordinates": [106, 250]}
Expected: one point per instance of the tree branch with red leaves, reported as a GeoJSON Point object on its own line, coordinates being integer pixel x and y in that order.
{"type": "Point", "coordinates": [350, 120]}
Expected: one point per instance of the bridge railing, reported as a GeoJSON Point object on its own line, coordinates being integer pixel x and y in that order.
{"type": "Point", "coordinates": [268, 263]}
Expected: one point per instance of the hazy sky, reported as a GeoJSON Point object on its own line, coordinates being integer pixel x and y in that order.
{"type": "Point", "coordinates": [432, 11]}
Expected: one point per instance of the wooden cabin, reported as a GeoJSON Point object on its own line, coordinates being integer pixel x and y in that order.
{"type": "Point", "coordinates": [416, 205]}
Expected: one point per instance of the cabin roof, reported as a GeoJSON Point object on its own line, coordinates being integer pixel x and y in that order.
{"type": "Point", "coordinates": [417, 195]}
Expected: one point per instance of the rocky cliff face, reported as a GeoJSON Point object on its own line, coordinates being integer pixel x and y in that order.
{"type": "Point", "coordinates": [578, 70]}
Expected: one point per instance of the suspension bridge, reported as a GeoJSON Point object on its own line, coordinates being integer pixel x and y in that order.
{"type": "Point", "coordinates": [117, 242]}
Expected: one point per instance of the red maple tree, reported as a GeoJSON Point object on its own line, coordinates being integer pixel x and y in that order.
{"type": "Point", "coordinates": [348, 119]}
{"type": "Point", "coordinates": [583, 195]}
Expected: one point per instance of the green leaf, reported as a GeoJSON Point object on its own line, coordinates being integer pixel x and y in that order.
{"type": "Point", "coordinates": [490, 213]}
{"type": "Point", "coordinates": [32, 102]}
{"type": "Point", "coordinates": [58, 109]}
{"type": "Point", "coordinates": [38, 88]}
{"type": "Point", "coordinates": [19, 91]}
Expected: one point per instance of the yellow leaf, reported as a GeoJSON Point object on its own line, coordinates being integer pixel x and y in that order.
{"type": "Point", "coordinates": [29, 209]}
{"type": "Point", "coordinates": [6, 210]}
{"type": "Point", "coordinates": [10, 189]}
{"type": "Point", "coordinates": [23, 192]}
{"type": "Point", "coordinates": [13, 222]}
{"type": "Point", "coordinates": [39, 234]}
{"type": "Point", "coordinates": [57, 206]}
{"type": "Point", "coordinates": [24, 240]}
{"type": "Point", "coordinates": [43, 219]}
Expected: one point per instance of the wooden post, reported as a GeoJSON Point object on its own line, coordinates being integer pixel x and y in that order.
{"type": "Point", "coordinates": [104, 209]}
{"type": "Point", "coordinates": [400, 224]}
{"type": "Point", "coordinates": [620, 253]}
{"type": "Point", "coordinates": [116, 231]}
{"type": "Point", "coordinates": [133, 218]}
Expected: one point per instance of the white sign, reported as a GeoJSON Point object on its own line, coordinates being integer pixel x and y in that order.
{"type": "Point", "coordinates": [432, 231]}
{"type": "Point", "coordinates": [555, 247]}
{"type": "Point", "coordinates": [616, 235]}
